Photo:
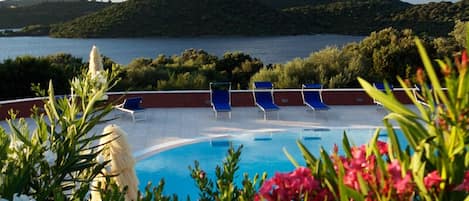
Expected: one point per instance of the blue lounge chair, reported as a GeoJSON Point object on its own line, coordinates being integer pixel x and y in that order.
{"type": "Point", "coordinates": [312, 96]}
{"type": "Point", "coordinates": [263, 94]}
{"type": "Point", "coordinates": [380, 86]}
{"type": "Point", "coordinates": [220, 97]}
{"type": "Point", "coordinates": [131, 106]}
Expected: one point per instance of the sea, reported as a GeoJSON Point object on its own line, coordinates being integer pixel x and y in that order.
{"type": "Point", "coordinates": [269, 49]}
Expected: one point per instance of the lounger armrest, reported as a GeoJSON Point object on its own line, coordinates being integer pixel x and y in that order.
{"type": "Point", "coordinates": [125, 110]}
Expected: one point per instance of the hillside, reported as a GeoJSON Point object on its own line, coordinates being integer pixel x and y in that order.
{"type": "Point", "coordinates": [431, 18]}
{"type": "Point", "coordinates": [226, 17]}
{"type": "Point", "coordinates": [346, 17]}
{"type": "Point", "coordinates": [139, 18]}
{"type": "Point", "coordinates": [46, 13]}
{"type": "Point", "coordinates": [179, 18]}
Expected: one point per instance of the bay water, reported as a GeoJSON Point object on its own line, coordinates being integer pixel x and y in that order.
{"type": "Point", "coordinates": [269, 49]}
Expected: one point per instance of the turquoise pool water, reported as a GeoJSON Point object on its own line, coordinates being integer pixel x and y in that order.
{"type": "Point", "coordinates": [260, 153]}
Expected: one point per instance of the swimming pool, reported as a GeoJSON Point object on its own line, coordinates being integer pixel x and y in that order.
{"type": "Point", "coordinates": [261, 152]}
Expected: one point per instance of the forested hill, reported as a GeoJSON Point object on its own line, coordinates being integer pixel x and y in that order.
{"type": "Point", "coordinates": [431, 18]}
{"type": "Point", "coordinates": [136, 18]}
{"type": "Point", "coordinates": [46, 13]}
{"type": "Point", "coordinates": [179, 18]}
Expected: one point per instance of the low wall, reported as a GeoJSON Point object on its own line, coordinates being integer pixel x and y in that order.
{"type": "Point", "coordinates": [239, 98]}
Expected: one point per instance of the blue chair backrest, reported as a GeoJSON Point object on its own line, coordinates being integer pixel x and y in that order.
{"type": "Point", "coordinates": [264, 97]}
{"type": "Point", "coordinates": [263, 85]}
{"type": "Point", "coordinates": [312, 96]}
{"type": "Point", "coordinates": [133, 103]}
{"type": "Point", "coordinates": [312, 86]}
{"type": "Point", "coordinates": [220, 96]}
{"type": "Point", "coordinates": [380, 86]}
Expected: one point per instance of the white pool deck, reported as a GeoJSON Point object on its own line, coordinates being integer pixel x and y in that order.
{"type": "Point", "coordinates": [167, 127]}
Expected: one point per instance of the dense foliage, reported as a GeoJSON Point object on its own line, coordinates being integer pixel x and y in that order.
{"type": "Point", "coordinates": [260, 17]}
{"type": "Point", "coordinates": [46, 13]}
{"type": "Point", "coordinates": [18, 75]}
{"type": "Point", "coordinates": [345, 17]}
{"type": "Point", "coordinates": [135, 18]}
{"type": "Point", "coordinates": [382, 55]}
{"type": "Point", "coordinates": [431, 19]}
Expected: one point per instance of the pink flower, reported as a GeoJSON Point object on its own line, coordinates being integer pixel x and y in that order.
{"type": "Point", "coordinates": [464, 186]}
{"type": "Point", "coordinates": [394, 170]}
{"type": "Point", "coordinates": [293, 186]}
{"type": "Point", "coordinates": [403, 185]}
{"type": "Point", "coordinates": [382, 147]}
{"type": "Point", "coordinates": [432, 179]}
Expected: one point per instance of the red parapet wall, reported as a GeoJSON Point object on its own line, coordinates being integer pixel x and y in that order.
{"type": "Point", "coordinates": [202, 99]}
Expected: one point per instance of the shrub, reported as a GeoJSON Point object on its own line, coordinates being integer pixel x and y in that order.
{"type": "Point", "coordinates": [434, 166]}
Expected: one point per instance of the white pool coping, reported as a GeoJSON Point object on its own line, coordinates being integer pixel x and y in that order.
{"type": "Point", "coordinates": [166, 128]}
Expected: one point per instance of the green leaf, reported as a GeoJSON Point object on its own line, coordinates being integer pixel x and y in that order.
{"type": "Point", "coordinates": [290, 157]}
{"type": "Point", "coordinates": [432, 75]}
{"type": "Point", "coordinates": [387, 100]}
{"type": "Point", "coordinates": [309, 158]}
{"type": "Point", "coordinates": [346, 145]}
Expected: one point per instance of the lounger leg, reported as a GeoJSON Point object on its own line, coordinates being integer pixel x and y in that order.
{"type": "Point", "coordinates": [229, 114]}
{"type": "Point", "coordinates": [265, 115]}
{"type": "Point", "coordinates": [133, 117]}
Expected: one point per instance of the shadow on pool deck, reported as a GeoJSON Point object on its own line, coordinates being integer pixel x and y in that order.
{"type": "Point", "coordinates": [163, 125]}
{"type": "Point", "coordinates": [172, 125]}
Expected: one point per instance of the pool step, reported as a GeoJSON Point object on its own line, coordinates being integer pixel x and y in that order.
{"type": "Point", "coordinates": [263, 138]}
{"type": "Point", "coordinates": [317, 129]}
{"type": "Point", "coordinates": [220, 143]}
{"type": "Point", "coordinates": [313, 133]}
{"type": "Point", "coordinates": [383, 135]}
{"type": "Point", "coordinates": [311, 137]}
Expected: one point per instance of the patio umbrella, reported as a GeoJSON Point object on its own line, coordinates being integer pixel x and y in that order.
{"type": "Point", "coordinates": [122, 163]}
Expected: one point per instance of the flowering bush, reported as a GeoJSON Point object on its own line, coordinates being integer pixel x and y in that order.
{"type": "Point", "coordinates": [297, 185]}
{"type": "Point", "coordinates": [435, 165]}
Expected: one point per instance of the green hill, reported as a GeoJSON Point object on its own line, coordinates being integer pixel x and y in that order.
{"type": "Point", "coordinates": [46, 13]}
{"type": "Point", "coordinates": [346, 17]}
{"type": "Point", "coordinates": [179, 18]}
{"type": "Point", "coordinates": [137, 18]}
{"type": "Point", "coordinates": [431, 18]}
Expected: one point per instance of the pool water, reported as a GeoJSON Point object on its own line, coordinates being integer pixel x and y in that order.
{"type": "Point", "coordinates": [260, 153]}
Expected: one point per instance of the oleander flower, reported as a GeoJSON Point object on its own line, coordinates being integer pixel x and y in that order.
{"type": "Point", "coordinates": [402, 183]}
{"type": "Point", "coordinates": [297, 185]}
{"type": "Point", "coordinates": [432, 179]}
{"type": "Point", "coordinates": [464, 186]}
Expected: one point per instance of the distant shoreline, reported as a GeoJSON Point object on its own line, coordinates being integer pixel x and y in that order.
{"type": "Point", "coordinates": [270, 49]}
